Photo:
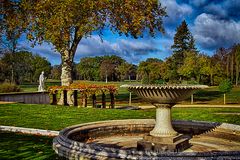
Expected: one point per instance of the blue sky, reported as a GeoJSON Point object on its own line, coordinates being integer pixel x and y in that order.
{"type": "Point", "coordinates": [213, 23]}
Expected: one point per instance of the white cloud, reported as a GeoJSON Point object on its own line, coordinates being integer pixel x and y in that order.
{"type": "Point", "coordinates": [94, 46]}
{"type": "Point", "coordinates": [211, 32]}
{"type": "Point", "coordinates": [45, 49]}
{"type": "Point", "coordinates": [216, 9]}
{"type": "Point", "coordinates": [131, 50]}
{"type": "Point", "coordinates": [175, 11]}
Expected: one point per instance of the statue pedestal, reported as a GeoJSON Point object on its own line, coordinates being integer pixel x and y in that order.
{"type": "Point", "coordinates": [163, 137]}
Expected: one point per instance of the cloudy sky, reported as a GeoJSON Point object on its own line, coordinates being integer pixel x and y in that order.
{"type": "Point", "coordinates": [213, 23]}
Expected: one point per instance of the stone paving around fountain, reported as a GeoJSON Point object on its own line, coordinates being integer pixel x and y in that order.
{"type": "Point", "coordinates": [219, 139]}
{"type": "Point", "coordinates": [200, 143]}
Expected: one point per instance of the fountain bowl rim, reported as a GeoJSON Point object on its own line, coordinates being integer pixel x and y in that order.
{"type": "Point", "coordinates": [155, 86]}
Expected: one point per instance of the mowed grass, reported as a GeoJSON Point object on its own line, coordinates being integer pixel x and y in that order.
{"type": "Point", "coordinates": [212, 95]}
{"type": "Point", "coordinates": [17, 146]}
{"type": "Point", "coordinates": [27, 147]}
{"type": "Point", "coordinates": [58, 117]}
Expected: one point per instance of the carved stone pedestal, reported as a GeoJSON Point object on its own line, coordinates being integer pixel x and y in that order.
{"type": "Point", "coordinates": [163, 137]}
{"type": "Point", "coordinates": [160, 144]}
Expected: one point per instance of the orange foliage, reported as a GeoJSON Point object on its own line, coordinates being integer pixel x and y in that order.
{"type": "Point", "coordinates": [88, 89]}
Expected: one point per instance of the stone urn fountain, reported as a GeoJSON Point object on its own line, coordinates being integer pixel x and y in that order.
{"type": "Point", "coordinates": [163, 137]}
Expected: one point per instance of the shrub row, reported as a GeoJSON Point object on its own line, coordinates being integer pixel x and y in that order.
{"type": "Point", "coordinates": [8, 87]}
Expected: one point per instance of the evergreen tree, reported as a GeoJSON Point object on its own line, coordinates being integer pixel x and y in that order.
{"type": "Point", "coordinates": [192, 46]}
{"type": "Point", "coordinates": [181, 38]}
{"type": "Point", "coordinates": [183, 42]}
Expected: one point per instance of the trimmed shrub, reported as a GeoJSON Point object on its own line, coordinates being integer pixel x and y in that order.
{"type": "Point", "coordinates": [225, 86]}
{"type": "Point", "coordinates": [8, 87]}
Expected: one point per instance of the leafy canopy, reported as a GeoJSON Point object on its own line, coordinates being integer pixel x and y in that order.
{"type": "Point", "coordinates": [65, 22]}
{"type": "Point", "coordinates": [150, 70]}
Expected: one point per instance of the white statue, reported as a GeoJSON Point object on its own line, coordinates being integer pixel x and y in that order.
{"type": "Point", "coordinates": [41, 82]}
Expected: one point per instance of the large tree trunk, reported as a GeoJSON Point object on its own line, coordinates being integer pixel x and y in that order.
{"type": "Point", "coordinates": [67, 56]}
{"type": "Point", "coordinates": [66, 77]}
{"type": "Point", "coordinates": [67, 62]}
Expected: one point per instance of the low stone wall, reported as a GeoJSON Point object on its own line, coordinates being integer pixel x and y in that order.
{"type": "Point", "coordinates": [29, 131]}
{"type": "Point", "coordinates": [26, 97]}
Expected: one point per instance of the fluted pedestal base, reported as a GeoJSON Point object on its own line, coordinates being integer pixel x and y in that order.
{"type": "Point", "coordinates": [163, 137]}
{"type": "Point", "coordinates": [163, 126]}
{"type": "Point", "coordinates": [159, 144]}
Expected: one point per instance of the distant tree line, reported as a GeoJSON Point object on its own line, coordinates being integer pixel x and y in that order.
{"type": "Point", "coordinates": [185, 65]}
{"type": "Point", "coordinates": [188, 65]}
{"type": "Point", "coordinates": [106, 68]}
{"type": "Point", "coordinates": [196, 68]}
{"type": "Point", "coordinates": [22, 67]}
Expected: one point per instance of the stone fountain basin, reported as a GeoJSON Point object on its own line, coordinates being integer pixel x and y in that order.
{"type": "Point", "coordinates": [164, 94]}
{"type": "Point", "coordinates": [117, 139]}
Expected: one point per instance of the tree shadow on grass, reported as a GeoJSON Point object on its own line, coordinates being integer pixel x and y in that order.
{"type": "Point", "coordinates": [207, 95]}
{"type": "Point", "coordinates": [124, 97]}
{"type": "Point", "coordinates": [19, 146]}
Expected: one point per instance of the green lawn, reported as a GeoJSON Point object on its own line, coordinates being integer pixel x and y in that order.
{"type": "Point", "coordinates": [27, 147]}
{"type": "Point", "coordinates": [58, 117]}
{"type": "Point", "coordinates": [16, 146]}
{"type": "Point", "coordinates": [212, 95]}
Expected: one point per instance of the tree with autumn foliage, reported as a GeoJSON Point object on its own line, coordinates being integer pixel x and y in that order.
{"type": "Point", "coordinates": [150, 70]}
{"type": "Point", "coordinates": [126, 71]}
{"type": "Point", "coordinates": [190, 68]}
{"type": "Point", "coordinates": [107, 68]}
{"type": "Point", "coordinates": [65, 23]}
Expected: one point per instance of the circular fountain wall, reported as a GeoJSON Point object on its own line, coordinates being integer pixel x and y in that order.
{"type": "Point", "coordinates": [117, 139]}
